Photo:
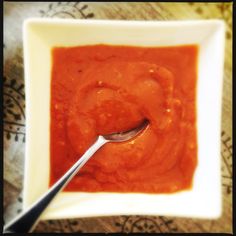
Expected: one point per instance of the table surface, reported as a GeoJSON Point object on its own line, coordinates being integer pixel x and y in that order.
{"type": "Point", "coordinates": [14, 114]}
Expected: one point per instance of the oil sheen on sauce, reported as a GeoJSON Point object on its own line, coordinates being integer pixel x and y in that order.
{"type": "Point", "coordinates": [103, 89]}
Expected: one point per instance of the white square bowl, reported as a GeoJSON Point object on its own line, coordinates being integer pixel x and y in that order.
{"type": "Point", "coordinates": [41, 35]}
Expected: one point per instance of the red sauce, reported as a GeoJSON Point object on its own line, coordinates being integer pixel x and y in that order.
{"type": "Point", "coordinates": [104, 89]}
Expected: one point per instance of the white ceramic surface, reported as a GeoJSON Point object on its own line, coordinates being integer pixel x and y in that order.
{"type": "Point", "coordinates": [40, 35]}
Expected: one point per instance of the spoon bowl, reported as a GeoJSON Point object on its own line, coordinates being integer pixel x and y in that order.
{"type": "Point", "coordinates": [126, 135]}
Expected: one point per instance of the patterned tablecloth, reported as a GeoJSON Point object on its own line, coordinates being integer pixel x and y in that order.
{"type": "Point", "coordinates": [14, 106]}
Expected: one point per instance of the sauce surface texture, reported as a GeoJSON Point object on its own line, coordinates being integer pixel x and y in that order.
{"type": "Point", "coordinates": [104, 89]}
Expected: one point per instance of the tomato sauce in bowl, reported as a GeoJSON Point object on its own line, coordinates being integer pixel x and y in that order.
{"type": "Point", "coordinates": [104, 89]}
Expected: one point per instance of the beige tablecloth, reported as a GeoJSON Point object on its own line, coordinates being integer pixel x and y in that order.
{"type": "Point", "coordinates": [14, 106]}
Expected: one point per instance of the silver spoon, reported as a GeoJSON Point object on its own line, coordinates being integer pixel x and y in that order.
{"type": "Point", "coordinates": [27, 220]}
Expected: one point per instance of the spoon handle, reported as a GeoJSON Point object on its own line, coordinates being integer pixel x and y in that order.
{"type": "Point", "coordinates": [26, 221]}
